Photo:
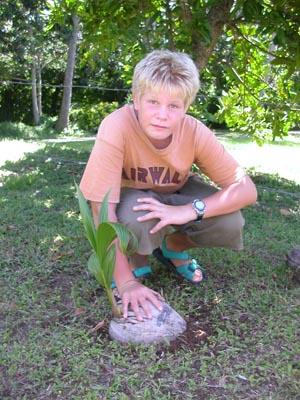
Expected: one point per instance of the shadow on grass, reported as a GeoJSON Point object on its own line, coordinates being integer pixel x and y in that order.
{"type": "Point", "coordinates": [40, 190]}
{"type": "Point", "coordinates": [46, 130]}
{"type": "Point", "coordinates": [39, 215]}
{"type": "Point", "coordinates": [232, 138]}
{"type": "Point", "coordinates": [241, 322]}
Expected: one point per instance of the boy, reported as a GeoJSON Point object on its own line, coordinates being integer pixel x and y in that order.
{"type": "Point", "coordinates": [143, 153]}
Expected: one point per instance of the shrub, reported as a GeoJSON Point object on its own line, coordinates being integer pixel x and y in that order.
{"type": "Point", "coordinates": [89, 117]}
{"type": "Point", "coordinates": [19, 130]}
{"type": "Point", "coordinates": [14, 130]}
{"type": "Point", "coordinates": [205, 112]}
{"type": "Point", "coordinates": [46, 130]}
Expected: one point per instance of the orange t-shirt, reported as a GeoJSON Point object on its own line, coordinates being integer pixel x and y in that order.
{"type": "Point", "coordinates": [123, 156]}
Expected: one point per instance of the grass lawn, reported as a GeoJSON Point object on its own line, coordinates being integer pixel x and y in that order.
{"type": "Point", "coordinates": [280, 156]}
{"type": "Point", "coordinates": [241, 341]}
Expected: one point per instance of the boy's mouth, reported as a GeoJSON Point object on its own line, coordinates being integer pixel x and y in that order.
{"type": "Point", "coordinates": [159, 126]}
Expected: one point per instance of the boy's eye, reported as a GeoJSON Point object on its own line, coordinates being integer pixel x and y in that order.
{"type": "Point", "coordinates": [151, 101]}
{"type": "Point", "coordinates": [173, 106]}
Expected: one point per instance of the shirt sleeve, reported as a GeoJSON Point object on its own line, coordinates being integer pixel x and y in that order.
{"type": "Point", "coordinates": [104, 168]}
{"type": "Point", "coordinates": [214, 160]}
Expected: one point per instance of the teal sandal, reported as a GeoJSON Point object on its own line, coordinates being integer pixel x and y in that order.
{"type": "Point", "coordinates": [186, 271]}
{"type": "Point", "coordinates": [139, 272]}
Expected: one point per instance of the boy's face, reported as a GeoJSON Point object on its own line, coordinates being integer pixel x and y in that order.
{"type": "Point", "coordinates": [159, 113]}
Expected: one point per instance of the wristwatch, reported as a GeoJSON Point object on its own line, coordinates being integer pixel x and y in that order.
{"type": "Point", "coordinates": [199, 206]}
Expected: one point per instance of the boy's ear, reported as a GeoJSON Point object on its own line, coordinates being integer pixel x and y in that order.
{"type": "Point", "coordinates": [135, 100]}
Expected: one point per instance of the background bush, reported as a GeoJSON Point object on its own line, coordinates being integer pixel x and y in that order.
{"type": "Point", "coordinates": [88, 118]}
{"type": "Point", "coordinates": [19, 130]}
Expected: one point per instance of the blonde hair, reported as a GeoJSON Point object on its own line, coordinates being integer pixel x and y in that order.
{"type": "Point", "coordinates": [164, 69]}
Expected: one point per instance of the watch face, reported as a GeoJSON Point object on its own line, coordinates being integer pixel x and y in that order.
{"type": "Point", "coordinates": [199, 205]}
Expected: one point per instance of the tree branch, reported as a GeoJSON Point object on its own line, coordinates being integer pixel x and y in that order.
{"type": "Point", "coordinates": [234, 26]}
{"type": "Point", "coordinates": [218, 16]}
{"type": "Point", "coordinates": [185, 11]}
{"type": "Point", "coordinates": [169, 26]}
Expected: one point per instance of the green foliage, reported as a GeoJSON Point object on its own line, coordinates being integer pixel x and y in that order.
{"type": "Point", "coordinates": [21, 183]}
{"type": "Point", "coordinates": [19, 130]}
{"type": "Point", "coordinates": [260, 37]}
{"type": "Point", "coordinates": [102, 261]}
{"type": "Point", "coordinates": [280, 21]}
{"type": "Point", "coordinates": [24, 44]}
{"type": "Point", "coordinates": [262, 122]}
{"type": "Point", "coordinates": [261, 97]}
{"type": "Point", "coordinates": [204, 107]}
{"type": "Point", "coordinates": [253, 68]}
{"type": "Point", "coordinates": [89, 117]}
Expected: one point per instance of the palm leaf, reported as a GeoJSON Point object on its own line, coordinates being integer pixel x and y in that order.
{"type": "Point", "coordinates": [109, 264]}
{"type": "Point", "coordinates": [107, 232]}
{"type": "Point", "coordinates": [103, 214]}
{"type": "Point", "coordinates": [127, 240]}
{"type": "Point", "coordinates": [87, 218]}
{"type": "Point", "coordinates": [105, 235]}
{"type": "Point", "coordinates": [95, 269]}
{"type": "Point", "coordinates": [102, 261]}
{"type": "Point", "coordinates": [93, 264]}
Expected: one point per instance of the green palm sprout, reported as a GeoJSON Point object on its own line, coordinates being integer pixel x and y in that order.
{"type": "Point", "coordinates": [101, 263]}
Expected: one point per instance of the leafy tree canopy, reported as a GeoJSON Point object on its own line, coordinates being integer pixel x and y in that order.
{"type": "Point", "coordinates": [247, 51]}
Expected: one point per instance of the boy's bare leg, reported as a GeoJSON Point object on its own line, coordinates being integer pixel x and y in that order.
{"type": "Point", "coordinates": [138, 260]}
{"type": "Point", "coordinates": [179, 242]}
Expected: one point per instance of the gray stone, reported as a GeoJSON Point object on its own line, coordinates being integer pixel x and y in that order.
{"type": "Point", "coordinates": [165, 325]}
{"type": "Point", "coordinates": [293, 261]}
{"type": "Point", "coordinates": [293, 257]}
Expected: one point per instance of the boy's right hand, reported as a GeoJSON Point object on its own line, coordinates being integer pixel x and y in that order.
{"type": "Point", "coordinates": [136, 295]}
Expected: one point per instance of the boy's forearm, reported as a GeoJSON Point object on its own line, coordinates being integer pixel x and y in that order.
{"type": "Point", "coordinates": [122, 271]}
{"type": "Point", "coordinates": [112, 216]}
{"type": "Point", "coordinates": [231, 199]}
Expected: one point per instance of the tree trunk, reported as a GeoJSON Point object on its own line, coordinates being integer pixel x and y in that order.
{"type": "Point", "coordinates": [39, 86]}
{"type": "Point", "coordinates": [218, 15]}
{"type": "Point", "coordinates": [171, 44]}
{"type": "Point", "coordinates": [63, 118]}
{"type": "Point", "coordinates": [35, 109]}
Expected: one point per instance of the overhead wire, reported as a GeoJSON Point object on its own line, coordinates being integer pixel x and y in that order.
{"type": "Point", "coordinates": [29, 83]}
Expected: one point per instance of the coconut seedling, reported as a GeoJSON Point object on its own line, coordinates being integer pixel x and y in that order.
{"type": "Point", "coordinates": [102, 239]}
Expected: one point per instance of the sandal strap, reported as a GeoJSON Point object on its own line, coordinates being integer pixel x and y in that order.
{"type": "Point", "coordinates": [138, 272]}
{"type": "Point", "coordinates": [142, 271]}
{"type": "Point", "coordinates": [188, 270]}
{"type": "Point", "coordinates": [178, 255]}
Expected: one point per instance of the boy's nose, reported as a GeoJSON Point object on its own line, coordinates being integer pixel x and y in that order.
{"type": "Point", "coordinates": [162, 113]}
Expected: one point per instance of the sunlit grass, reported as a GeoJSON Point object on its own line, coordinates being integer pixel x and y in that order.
{"type": "Point", "coordinates": [280, 157]}
{"type": "Point", "coordinates": [14, 150]}
{"type": "Point", "coordinates": [50, 305]}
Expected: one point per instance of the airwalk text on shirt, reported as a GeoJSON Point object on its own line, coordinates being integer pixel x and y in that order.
{"type": "Point", "coordinates": [154, 175]}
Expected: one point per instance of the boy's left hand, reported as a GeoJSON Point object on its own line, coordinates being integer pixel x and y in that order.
{"type": "Point", "coordinates": [167, 215]}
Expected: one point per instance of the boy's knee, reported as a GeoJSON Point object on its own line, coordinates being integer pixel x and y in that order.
{"type": "Point", "coordinates": [222, 231]}
{"type": "Point", "coordinates": [230, 223]}
{"type": "Point", "coordinates": [129, 218]}
{"type": "Point", "coordinates": [125, 213]}
{"type": "Point", "coordinates": [233, 225]}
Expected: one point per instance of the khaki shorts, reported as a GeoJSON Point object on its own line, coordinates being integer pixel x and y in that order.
{"type": "Point", "coordinates": [221, 231]}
